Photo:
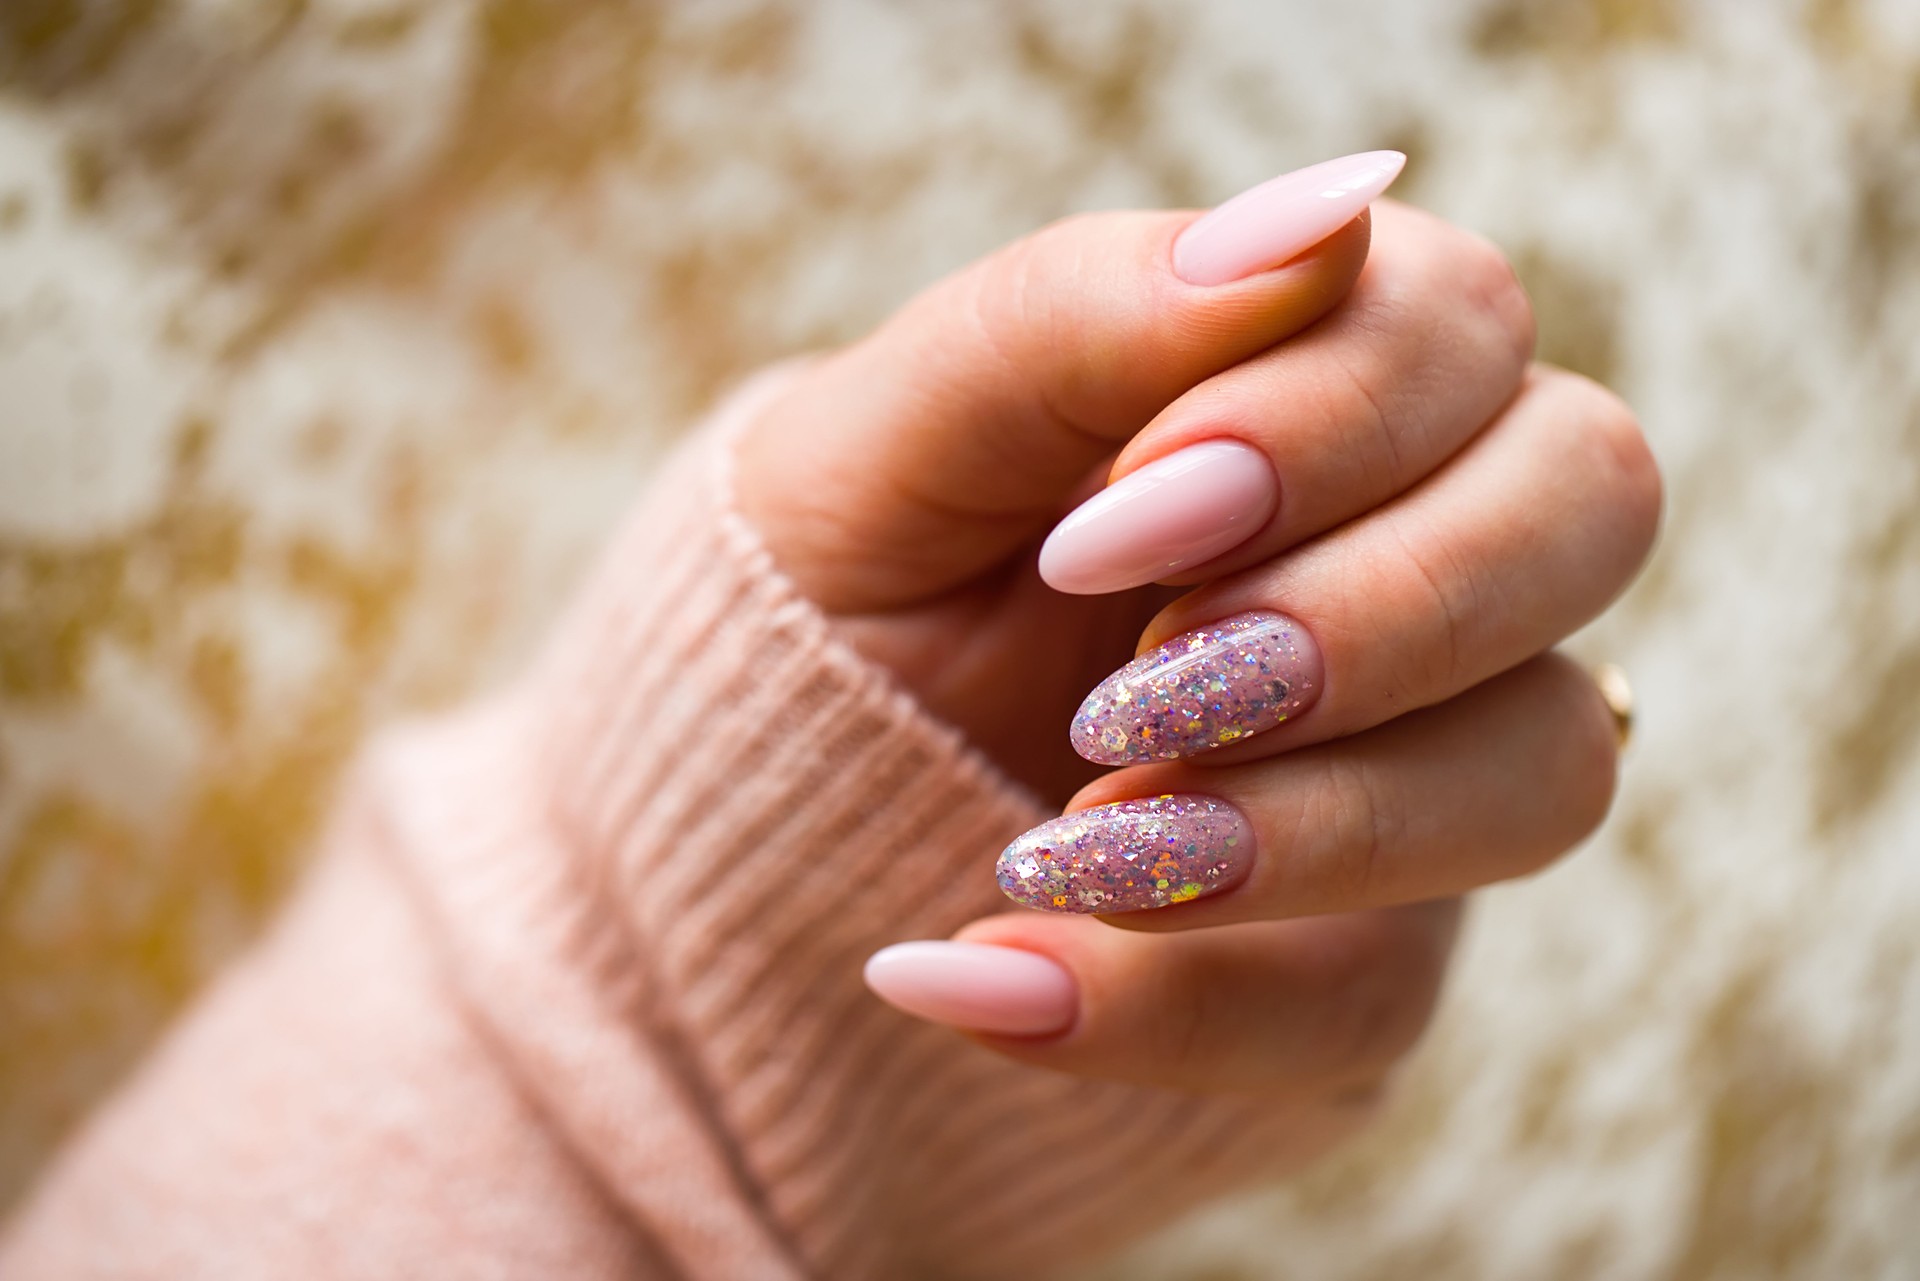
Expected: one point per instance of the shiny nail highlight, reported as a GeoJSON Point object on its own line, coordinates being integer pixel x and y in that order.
{"type": "Point", "coordinates": [976, 986]}
{"type": "Point", "coordinates": [1129, 856]}
{"type": "Point", "coordinates": [1281, 218]}
{"type": "Point", "coordinates": [1201, 690]}
{"type": "Point", "coordinates": [1176, 511]}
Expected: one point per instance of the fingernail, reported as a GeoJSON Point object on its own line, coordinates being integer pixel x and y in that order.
{"type": "Point", "coordinates": [1129, 856]}
{"type": "Point", "coordinates": [1201, 690]}
{"type": "Point", "coordinates": [976, 986]}
{"type": "Point", "coordinates": [1266, 225]}
{"type": "Point", "coordinates": [1180, 510]}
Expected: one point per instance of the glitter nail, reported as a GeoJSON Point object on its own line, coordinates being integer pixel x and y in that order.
{"type": "Point", "coordinates": [1129, 855]}
{"type": "Point", "coordinates": [1201, 690]}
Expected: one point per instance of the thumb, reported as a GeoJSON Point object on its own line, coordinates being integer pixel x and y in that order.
{"type": "Point", "coordinates": [907, 464]}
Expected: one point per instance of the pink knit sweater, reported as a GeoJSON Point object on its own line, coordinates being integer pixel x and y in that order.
{"type": "Point", "coordinates": [574, 990]}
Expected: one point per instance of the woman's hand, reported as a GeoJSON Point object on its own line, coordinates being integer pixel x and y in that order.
{"type": "Point", "coordinates": [576, 987]}
{"type": "Point", "coordinates": [1380, 465]}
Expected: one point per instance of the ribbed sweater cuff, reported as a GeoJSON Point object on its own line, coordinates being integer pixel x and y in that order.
{"type": "Point", "coordinates": [767, 807]}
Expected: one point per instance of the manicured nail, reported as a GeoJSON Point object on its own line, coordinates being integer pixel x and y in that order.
{"type": "Point", "coordinates": [1129, 856]}
{"type": "Point", "coordinates": [1200, 691]}
{"type": "Point", "coordinates": [976, 986]}
{"type": "Point", "coordinates": [1266, 225]}
{"type": "Point", "coordinates": [1180, 510]}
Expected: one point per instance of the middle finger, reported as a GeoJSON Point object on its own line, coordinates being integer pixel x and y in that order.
{"type": "Point", "coordinates": [1516, 542]}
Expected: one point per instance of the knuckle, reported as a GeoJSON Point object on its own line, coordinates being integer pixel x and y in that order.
{"type": "Point", "coordinates": [1455, 599]}
{"type": "Point", "coordinates": [1355, 830]}
{"type": "Point", "coordinates": [1609, 433]}
{"type": "Point", "coordinates": [1035, 269]}
{"type": "Point", "coordinates": [1491, 286]}
{"type": "Point", "coordinates": [1579, 761]}
{"type": "Point", "coordinates": [1040, 309]}
{"type": "Point", "coordinates": [1593, 756]}
{"type": "Point", "coordinates": [1372, 417]}
{"type": "Point", "coordinates": [1417, 599]}
{"type": "Point", "coordinates": [1436, 266]}
{"type": "Point", "coordinates": [1470, 276]}
{"type": "Point", "coordinates": [1013, 296]}
{"type": "Point", "coordinates": [1005, 296]}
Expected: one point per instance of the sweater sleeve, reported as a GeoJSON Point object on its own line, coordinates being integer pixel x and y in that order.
{"type": "Point", "coordinates": [576, 988]}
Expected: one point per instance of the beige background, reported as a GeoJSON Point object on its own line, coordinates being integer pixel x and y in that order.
{"type": "Point", "coordinates": [333, 335]}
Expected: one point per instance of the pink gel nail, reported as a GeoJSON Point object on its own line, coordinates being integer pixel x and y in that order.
{"type": "Point", "coordinates": [1281, 218]}
{"type": "Point", "coordinates": [1177, 511]}
{"type": "Point", "coordinates": [975, 986]}
{"type": "Point", "coordinates": [1201, 690]}
{"type": "Point", "coordinates": [1129, 856]}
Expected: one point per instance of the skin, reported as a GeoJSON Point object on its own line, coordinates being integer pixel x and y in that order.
{"type": "Point", "coordinates": [1450, 511]}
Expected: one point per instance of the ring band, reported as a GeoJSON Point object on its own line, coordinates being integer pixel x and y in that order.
{"type": "Point", "coordinates": [1617, 694]}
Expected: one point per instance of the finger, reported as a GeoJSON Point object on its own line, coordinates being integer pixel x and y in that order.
{"type": "Point", "coordinates": [916, 459]}
{"type": "Point", "coordinates": [1250, 1009]}
{"type": "Point", "coordinates": [1522, 537]}
{"type": "Point", "coordinates": [1428, 346]}
{"type": "Point", "coordinates": [1491, 785]}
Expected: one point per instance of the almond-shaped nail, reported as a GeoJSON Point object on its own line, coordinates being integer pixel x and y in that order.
{"type": "Point", "coordinates": [1176, 511]}
{"type": "Point", "coordinates": [1281, 218]}
{"type": "Point", "coordinates": [976, 986]}
{"type": "Point", "coordinates": [1201, 690]}
{"type": "Point", "coordinates": [1129, 856]}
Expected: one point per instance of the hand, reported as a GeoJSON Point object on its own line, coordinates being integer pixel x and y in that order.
{"type": "Point", "coordinates": [1444, 514]}
{"type": "Point", "coordinates": [1381, 466]}
{"type": "Point", "coordinates": [606, 930]}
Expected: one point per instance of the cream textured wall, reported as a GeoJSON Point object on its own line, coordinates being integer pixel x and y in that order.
{"type": "Point", "coordinates": [334, 334]}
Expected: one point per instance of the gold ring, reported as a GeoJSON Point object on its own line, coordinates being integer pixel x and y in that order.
{"type": "Point", "coordinates": [1617, 694]}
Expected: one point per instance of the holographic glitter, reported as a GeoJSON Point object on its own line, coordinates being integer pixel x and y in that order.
{"type": "Point", "coordinates": [1200, 691]}
{"type": "Point", "coordinates": [1128, 856]}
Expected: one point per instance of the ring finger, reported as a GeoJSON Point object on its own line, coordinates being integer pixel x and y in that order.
{"type": "Point", "coordinates": [1490, 785]}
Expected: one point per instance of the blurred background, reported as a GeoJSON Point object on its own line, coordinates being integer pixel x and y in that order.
{"type": "Point", "coordinates": [334, 334]}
